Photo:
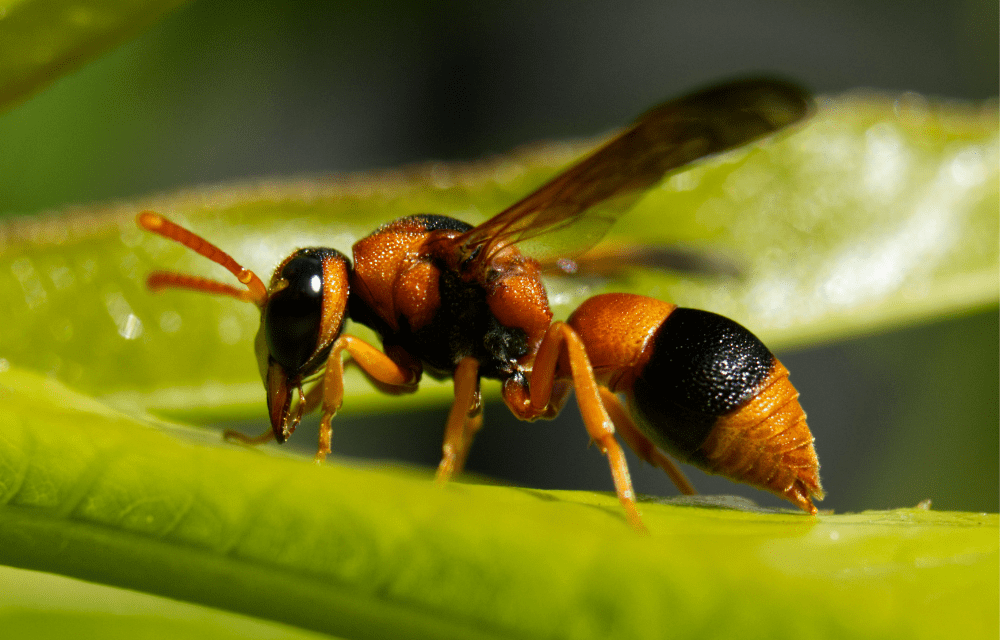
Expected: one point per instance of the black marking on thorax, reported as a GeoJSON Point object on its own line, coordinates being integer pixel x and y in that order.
{"type": "Point", "coordinates": [463, 326]}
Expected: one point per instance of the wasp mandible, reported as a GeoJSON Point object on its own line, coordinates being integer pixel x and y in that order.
{"type": "Point", "coordinates": [463, 302]}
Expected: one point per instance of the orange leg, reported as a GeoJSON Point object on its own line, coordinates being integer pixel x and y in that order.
{"type": "Point", "coordinates": [312, 399]}
{"type": "Point", "coordinates": [464, 419]}
{"type": "Point", "coordinates": [599, 425]}
{"type": "Point", "coordinates": [641, 444]}
{"type": "Point", "coordinates": [472, 425]}
{"type": "Point", "coordinates": [330, 391]}
{"type": "Point", "coordinates": [235, 436]}
{"type": "Point", "coordinates": [404, 360]}
{"type": "Point", "coordinates": [375, 363]}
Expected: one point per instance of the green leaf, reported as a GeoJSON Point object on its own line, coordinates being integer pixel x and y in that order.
{"type": "Point", "coordinates": [40, 605]}
{"type": "Point", "coordinates": [94, 494]}
{"type": "Point", "coordinates": [877, 213]}
{"type": "Point", "coordinates": [41, 40]}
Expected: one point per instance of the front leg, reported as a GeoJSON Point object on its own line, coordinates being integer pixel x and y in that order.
{"type": "Point", "coordinates": [231, 435]}
{"type": "Point", "coordinates": [376, 364]}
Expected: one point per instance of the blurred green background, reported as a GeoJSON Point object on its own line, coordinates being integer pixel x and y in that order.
{"type": "Point", "coordinates": [234, 90]}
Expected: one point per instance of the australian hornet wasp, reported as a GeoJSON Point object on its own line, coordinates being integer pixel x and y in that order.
{"type": "Point", "coordinates": [463, 302]}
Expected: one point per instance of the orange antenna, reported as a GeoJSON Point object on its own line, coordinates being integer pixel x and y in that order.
{"type": "Point", "coordinates": [255, 291]}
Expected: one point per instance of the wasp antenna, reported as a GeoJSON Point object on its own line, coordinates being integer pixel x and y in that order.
{"type": "Point", "coordinates": [160, 280]}
{"type": "Point", "coordinates": [155, 223]}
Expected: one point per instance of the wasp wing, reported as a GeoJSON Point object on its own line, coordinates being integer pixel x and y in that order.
{"type": "Point", "coordinates": [596, 191]}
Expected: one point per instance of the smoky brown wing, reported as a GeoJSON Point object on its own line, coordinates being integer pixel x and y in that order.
{"type": "Point", "coordinates": [596, 191]}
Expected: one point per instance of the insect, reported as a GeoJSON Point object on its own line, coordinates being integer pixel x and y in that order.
{"type": "Point", "coordinates": [462, 302]}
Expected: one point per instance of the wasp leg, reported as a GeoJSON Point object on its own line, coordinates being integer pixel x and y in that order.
{"type": "Point", "coordinates": [235, 436]}
{"type": "Point", "coordinates": [641, 444]}
{"type": "Point", "coordinates": [375, 363]}
{"type": "Point", "coordinates": [464, 419]}
{"type": "Point", "coordinates": [599, 425]}
{"type": "Point", "coordinates": [312, 398]}
{"type": "Point", "coordinates": [473, 423]}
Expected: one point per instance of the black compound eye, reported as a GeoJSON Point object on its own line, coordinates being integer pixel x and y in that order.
{"type": "Point", "coordinates": [292, 315]}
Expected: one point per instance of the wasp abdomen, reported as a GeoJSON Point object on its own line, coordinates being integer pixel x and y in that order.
{"type": "Point", "coordinates": [704, 389]}
{"type": "Point", "coordinates": [713, 395]}
{"type": "Point", "coordinates": [766, 443]}
{"type": "Point", "coordinates": [701, 366]}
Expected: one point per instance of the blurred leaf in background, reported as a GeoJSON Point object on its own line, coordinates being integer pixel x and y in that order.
{"type": "Point", "coordinates": [43, 39]}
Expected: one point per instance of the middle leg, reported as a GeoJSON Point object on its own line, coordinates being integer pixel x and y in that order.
{"type": "Point", "coordinates": [599, 425]}
{"type": "Point", "coordinates": [464, 419]}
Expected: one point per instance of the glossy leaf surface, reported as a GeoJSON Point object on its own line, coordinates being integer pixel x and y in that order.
{"type": "Point", "coordinates": [94, 494]}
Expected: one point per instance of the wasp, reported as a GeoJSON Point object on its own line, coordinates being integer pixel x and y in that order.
{"type": "Point", "coordinates": [456, 301]}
